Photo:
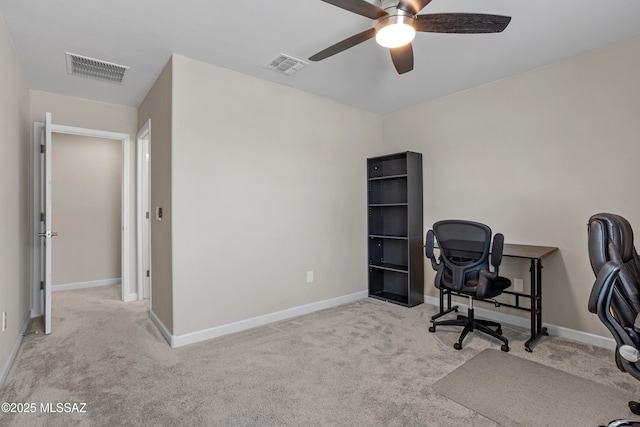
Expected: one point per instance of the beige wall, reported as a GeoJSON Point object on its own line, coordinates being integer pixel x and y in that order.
{"type": "Point", "coordinates": [157, 107]}
{"type": "Point", "coordinates": [83, 113]}
{"type": "Point", "coordinates": [14, 196]}
{"type": "Point", "coordinates": [268, 183]}
{"type": "Point", "coordinates": [86, 208]}
{"type": "Point", "coordinates": [534, 156]}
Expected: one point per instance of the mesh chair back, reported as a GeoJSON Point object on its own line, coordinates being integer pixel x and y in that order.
{"type": "Point", "coordinates": [464, 250]}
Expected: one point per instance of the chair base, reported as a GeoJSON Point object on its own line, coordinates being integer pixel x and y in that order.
{"type": "Point", "coordinates": [470, 324]}
{"type": "Point", "coordinates": [620, 423]}
{"type": "Point", "coordinates": [635, 408]}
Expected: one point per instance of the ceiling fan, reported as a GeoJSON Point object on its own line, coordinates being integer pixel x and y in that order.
{"type": "Point", "coordinates": [396, 22]}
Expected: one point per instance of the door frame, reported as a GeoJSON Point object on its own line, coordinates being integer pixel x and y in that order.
{"type": "Point", "coordinates": [38, 128]}
{"type": "Point", "coordinates": [143, 181]}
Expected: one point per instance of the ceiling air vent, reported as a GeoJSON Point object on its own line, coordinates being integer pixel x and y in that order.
{"type": "Point", "coordinates": [285, 64]}
{"type": "Point", "coordinates": [95, 69]}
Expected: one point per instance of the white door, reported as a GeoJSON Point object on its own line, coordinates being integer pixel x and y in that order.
{"type": "Point", "coordinates": [146, 229]}
{"type": "Point", "coordinates": [143, 209]}
{"type": "Point", "coordinates": [45, 228]}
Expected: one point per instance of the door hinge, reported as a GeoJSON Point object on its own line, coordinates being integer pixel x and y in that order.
{"type": "Point", "coordinates": [148, 273]}
{"type": "Point", "coordinates": [147, 215]}
{"type": "Point", "coordinates": [41, 285]}
{"type": "Point", "coordinates": [42, 148]}
{"type": "Point", "coordinates": [41, 216]}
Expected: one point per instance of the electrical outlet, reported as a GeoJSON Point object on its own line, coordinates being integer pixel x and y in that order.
{"type": "Point", "coordinates": [518, 285]}
{"type": "Point", "coordinates": [310, 276]}
{"type": "Point", "coordinates": [4, 321]}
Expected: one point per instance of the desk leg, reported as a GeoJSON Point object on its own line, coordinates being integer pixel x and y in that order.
{"type": "Point", "coordinates": [536, 304]}
{"type": "Point", "coordinates": [541, 330]}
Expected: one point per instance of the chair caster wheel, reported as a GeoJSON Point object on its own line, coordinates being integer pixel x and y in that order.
{"type": "Point", "coordinates": [635, 407]}
{"type": "Point", "coordinates": [457, 346]}
{"type": "Point", "coordinates": [504, 348]}
{"type": "Point", "coordinates": [499, 331]}
{"type": "Point", "coordinates": [432, 328]}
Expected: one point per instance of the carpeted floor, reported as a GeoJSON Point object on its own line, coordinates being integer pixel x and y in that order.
{"type": "Point", "coordinates": [367, 363]}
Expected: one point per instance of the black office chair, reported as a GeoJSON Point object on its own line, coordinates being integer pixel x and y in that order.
{"type": "Point", "coordinates": [615, 296]}
{"type": "Point", "coordinates": [463, 268]}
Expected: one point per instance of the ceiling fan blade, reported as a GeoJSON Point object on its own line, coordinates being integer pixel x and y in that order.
{"type": "Point", "coordinates": [344, 45]}
{"type": "Point", "coordinates": [402, 58]}
{"type": "Point", "coordinates": [413, 6]}
{"type": "Point", "coordinates": [360, 7]}
{"type": "Point", "coordinates": [465, 23]}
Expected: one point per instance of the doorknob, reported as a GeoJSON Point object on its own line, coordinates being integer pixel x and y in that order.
{"type": "Point", "coordinates": [48, 234]}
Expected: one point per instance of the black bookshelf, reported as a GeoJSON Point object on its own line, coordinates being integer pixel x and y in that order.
{"type": "Point", "coordinates": [396, 260]}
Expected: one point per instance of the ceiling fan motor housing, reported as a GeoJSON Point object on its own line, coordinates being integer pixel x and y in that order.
{"type": "Point", "coordinates": [398, 25]}
{"type": "Point", "coordinates": [389, 4]}
{"type": "Point", "coordinates": [395, 15]}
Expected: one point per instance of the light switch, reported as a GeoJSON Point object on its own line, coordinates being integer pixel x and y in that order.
{"type": "Point", "coordinates": [158, 213]}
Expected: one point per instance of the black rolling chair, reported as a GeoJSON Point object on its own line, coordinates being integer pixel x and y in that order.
{"type": "Point", "coordinates": [463, 268]}
{"type": "Point", "coordinates": [615, 296]}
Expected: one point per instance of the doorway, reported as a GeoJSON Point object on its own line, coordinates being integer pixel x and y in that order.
{"type": "Point", "coordinates": [86, 174]}
{"type": "Point", "coordinates": [38, 301]}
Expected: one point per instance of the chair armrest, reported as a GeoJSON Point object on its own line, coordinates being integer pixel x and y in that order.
{"type": "Point", "coordinates": [496, 251]}
{"type": "Point", "coordinates": [486, 277]}
{"type": "Point", "coordinates": [429, 243]}
{"type": "Point", "coordinates": [600, 299]}
{"type": "Point", "coordinates": [602, 291]}
{"type": "Point", "coordinates": [600, 303]}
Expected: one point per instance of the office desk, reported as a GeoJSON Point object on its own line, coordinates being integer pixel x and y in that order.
{"type": "Point", "coordinates": [535, 255]}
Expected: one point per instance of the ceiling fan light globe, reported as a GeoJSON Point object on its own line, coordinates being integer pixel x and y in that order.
{"type": "Point", "coordinates": [395, 35]}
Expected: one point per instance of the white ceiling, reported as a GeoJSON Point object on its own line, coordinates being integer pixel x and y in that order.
{"type": "Point", "coordinates": [244, 36]}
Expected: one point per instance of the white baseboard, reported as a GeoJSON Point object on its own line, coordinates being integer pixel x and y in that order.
{"type": "Point", "coordinates": [161, 327]}
{"type": "Point", "coordinates": [82, 285]}
{"type": "Point", "coordinates": [525, 322]}
{"type": "Point", "coordinates": [584, 337]}
{"type": "Point", "coordinates": [130, 297]}
{"type": "Point", "coordinates": [206, 334]}
{"type": "Point", "coordinates": [14, 351]}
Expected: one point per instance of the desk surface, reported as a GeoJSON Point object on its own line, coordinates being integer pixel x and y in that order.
{"type": "Point", "coordinates": [527, 251]}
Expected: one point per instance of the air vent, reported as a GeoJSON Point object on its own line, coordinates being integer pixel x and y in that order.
{"type": "Point", "coordinates": [285, 64]}
{"type": "Point", "coordinates": [95, 69]}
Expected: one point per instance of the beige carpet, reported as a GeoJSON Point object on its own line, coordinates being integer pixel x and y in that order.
{"type": "Point", "coordinates": [514, 391]}
{"type": "Point", "coordinates": [367, 363]}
